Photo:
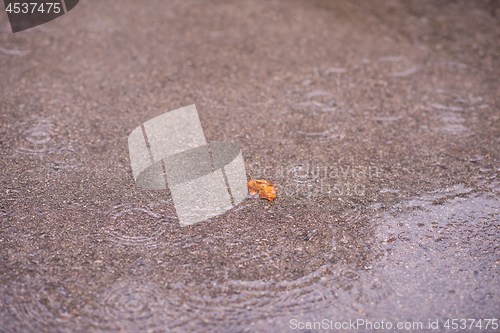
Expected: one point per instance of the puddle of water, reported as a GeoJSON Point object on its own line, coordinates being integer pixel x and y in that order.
{"type": "Point", "coordinates": [442, 256]}
{"type": "Point", "coordinates": [446, 249]}
{"type": "Point", "coordinates": [438, 250]}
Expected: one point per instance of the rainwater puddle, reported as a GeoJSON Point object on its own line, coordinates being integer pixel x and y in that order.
{"type": "Point", "coordinates": [442, 253]}
{"type": "Point", "coordinates": [438, 250]}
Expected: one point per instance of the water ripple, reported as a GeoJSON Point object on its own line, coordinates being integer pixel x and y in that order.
{"type": "Point", "coordinates": [42, 136]}
{"type": "Point", "coordinates": [138, 224]}
{"type": "Point", "coordinates": [135, 306]}
{"type": "Point", "coordinates": [36, 305]}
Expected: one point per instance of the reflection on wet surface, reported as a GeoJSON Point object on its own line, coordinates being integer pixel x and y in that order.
{"type": "Point", "coordinates": [72, 263]}
{"type": "Point", "coordinates": [445, 245]}
{"type": "Point", "coordinates": [125, 264]}
{"type": "Point", "coordinates": [378, 123]}
{"type": "Point", "coordinates": [439, 247]}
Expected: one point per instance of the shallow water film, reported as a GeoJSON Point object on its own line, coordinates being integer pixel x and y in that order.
{"type": "Point", "coordinates": [378, 122]}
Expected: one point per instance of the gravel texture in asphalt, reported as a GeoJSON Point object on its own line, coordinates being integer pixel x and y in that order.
{"type": "Point", "coordinates": [379, 122]}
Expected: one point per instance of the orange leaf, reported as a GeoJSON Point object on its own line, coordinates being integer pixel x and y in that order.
{"type": "Point", "coordinates": [265, 189]}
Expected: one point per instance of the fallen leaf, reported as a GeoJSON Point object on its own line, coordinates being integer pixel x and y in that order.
{"type": "Point", "coordinates": [265, 189]}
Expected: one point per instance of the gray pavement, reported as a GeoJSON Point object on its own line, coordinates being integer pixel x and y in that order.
{"type": "Point", "coordinates": [379, 122]}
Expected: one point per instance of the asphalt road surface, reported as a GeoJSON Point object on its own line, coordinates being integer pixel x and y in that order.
{"type": "Point", "coordinates": [379, 122]}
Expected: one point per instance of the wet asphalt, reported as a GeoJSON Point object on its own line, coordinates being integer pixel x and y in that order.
{"type": "Point", "coordinates": [379, 122]}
